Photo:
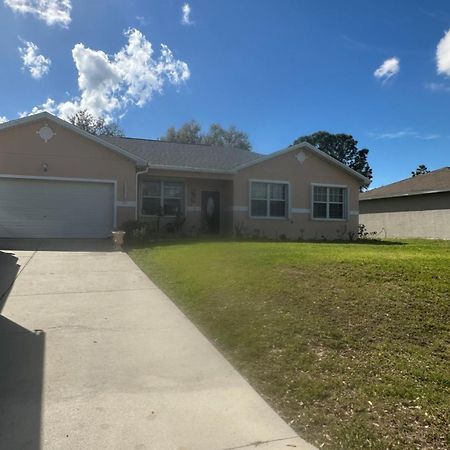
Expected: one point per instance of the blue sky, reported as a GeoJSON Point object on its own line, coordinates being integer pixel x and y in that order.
{"type": "Point", "coordinates": [275, 69]}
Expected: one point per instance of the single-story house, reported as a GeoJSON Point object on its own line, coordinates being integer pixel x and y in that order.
{"type": "Point", "coordinates": [58, 181]}
{"type": "Point", "coordinates": [418, 207]}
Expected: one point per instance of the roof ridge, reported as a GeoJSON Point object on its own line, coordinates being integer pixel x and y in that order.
{"type": "Point", "coordinates": [181, 143]}
{"type": "Point", "coordinates": [411, 178]}
{"type": "Point", "coordinates": [435, 181]}
{"type": "Point", "coordinates": [438, 170]}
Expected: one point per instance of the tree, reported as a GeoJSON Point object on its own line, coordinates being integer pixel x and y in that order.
{"type": "Point", "coordinates": [191, 133]}
{"type": "Point", "coordinates": [188, 133]}
{"type": "Point", "coordinates": [343, 147]}
{"type": "Point", "coordinates": [421, 170]}
{"type": "Point", "coordinates": [227, 138]}
{"type": "Point", "coordinates": [95, 125]}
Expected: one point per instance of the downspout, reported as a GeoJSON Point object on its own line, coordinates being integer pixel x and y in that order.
{"type": "Point", "coordinates": [137, 189]}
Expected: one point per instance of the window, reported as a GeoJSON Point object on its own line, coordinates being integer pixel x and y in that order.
{"type": "Point", "coordinates": [161, 198]}
{"type": "Point", "coordinates": [329, 202]}
{"type": "Point", "coordinates": [268, 199]}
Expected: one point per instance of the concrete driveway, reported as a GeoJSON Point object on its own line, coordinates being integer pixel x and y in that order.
{"type": "Point", "coordinates": [94, 356]}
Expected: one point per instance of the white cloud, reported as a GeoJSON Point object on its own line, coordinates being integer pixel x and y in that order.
{"type": "Point", "coordinates": [3, 119]}
{"type": "Point", "coordinates": [443, 55]}
{"type": "Point", "coordinates": [37, 64]}
{"type": "Point", "coordinates": [437, 87]}
{"type": "Point", "coordinates": [405, 134]}
{"type": "Point", "coordinates": [186, 14]}
{"type": "Point", "coordinates": [108, 85]}
{"type": "Point", "coordinates": [388, 69]}
{"type": "Point", "coordinates": [49, 106]}
{"type": "Point", "coordinates": [142, 20]}
{"type": "Point", "coordinates": [52, 12]}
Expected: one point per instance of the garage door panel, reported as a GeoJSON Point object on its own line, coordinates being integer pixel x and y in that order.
{"type": "Point", "coordinates": [55, 209]}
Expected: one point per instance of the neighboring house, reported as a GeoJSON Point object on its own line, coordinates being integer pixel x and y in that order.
{"type": "Point", "coordinates": [418, 207]}
{"type": "Point", "coordinates": [59, 181]}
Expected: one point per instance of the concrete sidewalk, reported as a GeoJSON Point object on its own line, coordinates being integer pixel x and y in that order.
{"type": "Point", "coordinates": [95, 356]}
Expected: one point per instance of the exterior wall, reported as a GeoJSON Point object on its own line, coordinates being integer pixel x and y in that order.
{"type": "Point", "coordinates": [125, 214]}
{"type": "Point", "coordinates": [227, 218]}
{"type": "Point", "coordinates": [193, 187]}
{"type": "Point", "coordinates": [300, 176]}
{"type": "Point", "coordinates": [70, 155]}
{"type": "Point", "coordinates": [234, 192]}
{"type": "Point", "coordinates": [418, 216]}
{"type": "Point", "coordinates": [67, 155]}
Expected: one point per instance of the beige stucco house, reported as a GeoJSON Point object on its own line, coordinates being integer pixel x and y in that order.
{"type": "Point", "coordinates": [417, 207]}
{"type": "Point", "coordinates": [59, 181]}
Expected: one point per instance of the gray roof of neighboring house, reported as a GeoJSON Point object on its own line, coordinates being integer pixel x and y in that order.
{"type": "Point", "coordinates": [184, 156]}
{"type": "Point", "coordinates": [433, 182]}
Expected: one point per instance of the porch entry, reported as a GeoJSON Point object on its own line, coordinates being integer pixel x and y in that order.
{"type": "Point", "coordinates": [211, 211]}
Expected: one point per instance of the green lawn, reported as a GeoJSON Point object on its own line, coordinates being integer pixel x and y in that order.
{"type": "Point", "coordinates": [350, 343]}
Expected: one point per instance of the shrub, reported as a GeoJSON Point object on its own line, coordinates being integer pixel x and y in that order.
{"type": "Point", "coordinates": [136, 231]}
{"type": "Point", "coordinates": [363, 233]}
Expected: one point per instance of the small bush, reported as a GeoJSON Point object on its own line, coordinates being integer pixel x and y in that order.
{"type": "Point", "coordinates": [129, 226]}
{"type": "Point", "coordinates": [136, 231]}
{"type": "Point", "coordinates": [363, 233]}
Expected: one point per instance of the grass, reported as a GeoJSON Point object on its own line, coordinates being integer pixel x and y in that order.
{"type": "Point", "coordinates": [350, 343]}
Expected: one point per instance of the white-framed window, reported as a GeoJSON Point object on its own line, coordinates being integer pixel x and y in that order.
{"type": "Point", "coordinates": [268, 199]}
{"type": "Point", "coordinates": [329, 202]}
{"type": "Point", "coordinates": [161, 198]}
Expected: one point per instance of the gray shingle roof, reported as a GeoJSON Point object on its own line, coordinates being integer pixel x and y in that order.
{"type": "Point", "coordinates": [187, 156]}
{"type": "Point", "coordinates": [435, 181]}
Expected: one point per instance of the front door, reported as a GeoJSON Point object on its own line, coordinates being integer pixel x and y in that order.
{"type": "Point", "coordinates": [211, 211]}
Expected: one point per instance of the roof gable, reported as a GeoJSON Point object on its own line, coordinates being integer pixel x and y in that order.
{"type": "Point", "coordinates": [307, 146]}
{"type": "Point", "coordinates": [429, 183]}
{"type": "Point", "coordinates": [205, 158]}
{"type": "Point", "coordinates": [62, 123]}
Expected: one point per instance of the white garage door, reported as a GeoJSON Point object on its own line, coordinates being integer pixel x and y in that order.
{"type": "Point", "coordinates": [55, 209]}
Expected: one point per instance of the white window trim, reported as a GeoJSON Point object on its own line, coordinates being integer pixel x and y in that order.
{"type": "Point", "coordinates": [346, 202]}
{"type": "Point", "coordinates": [126, 204]}
{"type": "Point", "coordinates": [162, 181]}
{"type": "Point", "coordinates": [288, 202]}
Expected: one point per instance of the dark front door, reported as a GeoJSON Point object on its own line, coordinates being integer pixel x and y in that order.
{"type": "Point", "coordinates": [211, 211]}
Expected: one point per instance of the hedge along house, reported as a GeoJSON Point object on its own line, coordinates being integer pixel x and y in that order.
{"type": "Point", "coordinates": [58, 181]}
